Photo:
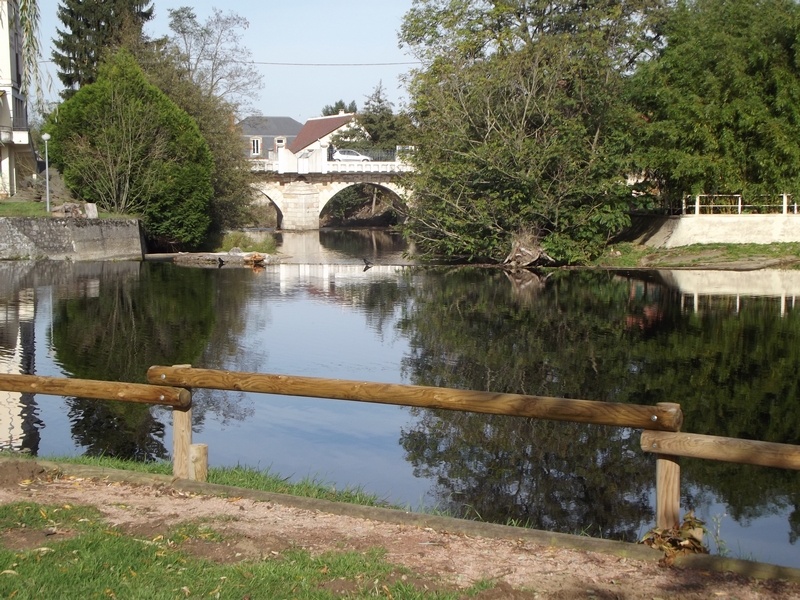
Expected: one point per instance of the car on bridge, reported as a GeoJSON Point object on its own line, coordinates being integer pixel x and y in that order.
{"type": "Point", "coordinates": [350, 155]}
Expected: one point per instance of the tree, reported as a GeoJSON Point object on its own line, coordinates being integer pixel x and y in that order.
{"type": "Point", "coordinates": [721, 101]}
{"type": "Point", "coordinates": [339, 106]}
{"type": "Point", "coordinates": [380, 127]}
{"type": "Point", "coordinates": [122, 144]}
{"type": "Point", "coordinates": [522, 128]}
{"type": "Point", "coordinates": [379, 120]}
{"type": "Point", "coordinates": [166, 65]}
{"type": "Point", "coordinates": [211, 56]}
{"type": "Point", "coordinates": [91, 30]}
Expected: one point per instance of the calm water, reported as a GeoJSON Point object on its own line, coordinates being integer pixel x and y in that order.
{"type": "Point", "coordinates": [726, 346]}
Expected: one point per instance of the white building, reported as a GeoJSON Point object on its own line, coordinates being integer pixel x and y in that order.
{"type": "Point", "coordinates": [16, 154]}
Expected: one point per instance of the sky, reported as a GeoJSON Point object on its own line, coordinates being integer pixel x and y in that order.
{"type": "Point", "coordinates": [299, 31]}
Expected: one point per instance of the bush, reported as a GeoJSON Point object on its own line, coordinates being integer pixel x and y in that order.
{"type": "Point", "coordinates": [121, 143]}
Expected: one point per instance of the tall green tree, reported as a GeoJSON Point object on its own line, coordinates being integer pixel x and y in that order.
{"type": "Point", "coordinates": [522, 125]}
{"type": "Point", "coordinates": [721, 101]}
{"type": "Point", "coordinates": [122, 144]}
{"type": "Point", "coordinates": [91, 30]}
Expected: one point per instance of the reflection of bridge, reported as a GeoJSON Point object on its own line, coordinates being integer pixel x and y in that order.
{"type": "Point", "coordinates": [301, 194]}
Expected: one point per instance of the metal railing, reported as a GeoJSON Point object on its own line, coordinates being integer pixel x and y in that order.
{"type": "Point", "coordinates": [736, 204]}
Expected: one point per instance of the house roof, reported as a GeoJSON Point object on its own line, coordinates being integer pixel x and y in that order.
{"type": "Point", "coordinates": [270, 126]}
{"type": "Point", "coordinates": [317, 128]}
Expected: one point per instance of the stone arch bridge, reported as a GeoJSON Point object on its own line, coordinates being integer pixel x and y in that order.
{"type": "Point", "coordinates": [301, 197]}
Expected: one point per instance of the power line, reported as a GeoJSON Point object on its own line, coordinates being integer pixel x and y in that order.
{"type": "Point", "coordinates": [287, 64]}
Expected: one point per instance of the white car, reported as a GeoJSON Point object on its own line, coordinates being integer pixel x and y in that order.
{"type": "Point", "coordinates": [350, 155]}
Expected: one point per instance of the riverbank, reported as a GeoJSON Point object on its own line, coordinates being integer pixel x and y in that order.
{"type": "Point", "coordinates": [248, 528]}
{"type": "Point", "coordinates": [730, 257]}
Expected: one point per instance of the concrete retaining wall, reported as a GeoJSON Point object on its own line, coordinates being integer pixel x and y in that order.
{"type": "Point", "coordinates": [685, 230]}
{"type": "Point", "coordinates": [72, 239]}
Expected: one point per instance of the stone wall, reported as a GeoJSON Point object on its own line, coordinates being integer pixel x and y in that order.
{"type": "Point", "coordinates": [70, 239]}
{"type": "Point", "coordinates": [685, 230]}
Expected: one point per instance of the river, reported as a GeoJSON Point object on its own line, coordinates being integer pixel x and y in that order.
{"type": "Point", "coordinates": [726, 346]}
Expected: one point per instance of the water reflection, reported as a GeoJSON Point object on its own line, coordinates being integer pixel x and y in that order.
{"type": "Point", "coordinates": [337, 246]}
{"type": "Point", "coordinates": [730, 358]}
{"type": "Point", "coordinates": [604, 337]}
{"type": "Point", "coordinates": [19, 423]}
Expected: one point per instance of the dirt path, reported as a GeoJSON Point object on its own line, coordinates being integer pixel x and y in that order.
{"type": "Point", "coordinates": [255, 530]}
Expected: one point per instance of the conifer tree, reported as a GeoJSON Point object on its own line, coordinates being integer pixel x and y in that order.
{"type": "Point", "coordinates": [91, 29]}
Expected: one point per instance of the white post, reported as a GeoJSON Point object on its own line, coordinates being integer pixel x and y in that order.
{"type": "Point", "coordinates": [697, 204]}
{"type": "Point", "coordinates": [785, 203]}
{"type": "Point", "coordinates": [739, 197]}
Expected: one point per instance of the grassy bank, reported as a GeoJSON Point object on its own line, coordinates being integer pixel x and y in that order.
{"type": "Point", "coordinates": [617, 256]}
{"type": "Point", "coordinates": [39, 209]}
{"type": "Point", "coordinates": [92, 559]}
{"type": "Point", "coordinates": [627, 255]}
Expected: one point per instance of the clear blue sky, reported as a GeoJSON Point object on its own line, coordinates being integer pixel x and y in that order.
{"type": "Point", "coordinates": [299, 31]}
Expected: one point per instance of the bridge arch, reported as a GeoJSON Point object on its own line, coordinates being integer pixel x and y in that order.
{"type": "Point", "coordinates": [300, 199]}
{"type": "Point", "coordinates": [330, 192]}
{"type": "Point", "coordinates": [273, 195]}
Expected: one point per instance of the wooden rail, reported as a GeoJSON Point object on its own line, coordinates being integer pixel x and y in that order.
{"type": "Point", "coordinates": [187, 461]}
{"type": "Point", "coordinates": [661, 422]}
{"type": "Point", "coordinates": [711, 447]}
{"type": "Point", "coordinates": [667, 445]}
{"type": "Point", "coordinates": [101, 390]}
{"type": "Point", "coordinates": [661, 417]}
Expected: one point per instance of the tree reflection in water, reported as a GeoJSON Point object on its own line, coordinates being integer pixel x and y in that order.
{"type": "Point", "coordinates": [604, 337]}
{"type": "Point", "coordinates": [160, 316]}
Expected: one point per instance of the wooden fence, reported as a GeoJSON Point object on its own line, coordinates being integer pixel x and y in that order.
{"type": "Point", "coordinates": [172, 386]}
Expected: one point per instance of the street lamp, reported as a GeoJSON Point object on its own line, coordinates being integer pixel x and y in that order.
{"type": "Point", "coordinates": [46, 138]}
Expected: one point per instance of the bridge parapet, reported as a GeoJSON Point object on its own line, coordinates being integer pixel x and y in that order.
{"type": "Point", "coordinates": [268, 166]}
{"type": "Point", "coordinates": [369, 167]}
{"type": "Point", "coordinates": [261, 165]}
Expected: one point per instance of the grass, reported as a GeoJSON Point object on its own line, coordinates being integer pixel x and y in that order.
{"type": "Point", "coordinates": [627, 255]}
{"type": "Point", "coordinates": [239, 239]}
{"type": "Point", "coordinates": [23, 209]}
{"type": "Point", "coordinates": [38, 209]}
{"type": "Point", "coordinates": [101, 561]}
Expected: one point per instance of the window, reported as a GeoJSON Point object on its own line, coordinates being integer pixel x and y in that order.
{"type": "Point", "coordinates": [255, 146]}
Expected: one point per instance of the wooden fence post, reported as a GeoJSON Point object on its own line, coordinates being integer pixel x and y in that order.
{"type": "Point", "coordinates": [181, 441]}
{"type": "Point", "coordinates": [198, 462]}
{"type": "Point", "coordinates": [668, 486]}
